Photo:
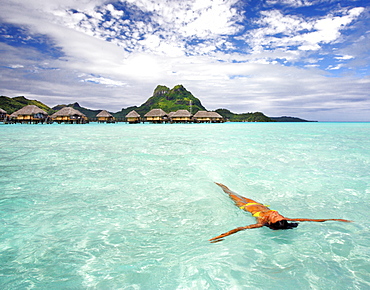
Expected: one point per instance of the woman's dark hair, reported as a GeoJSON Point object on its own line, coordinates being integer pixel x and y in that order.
{"type": "Point", "coordinates": [282, 225]}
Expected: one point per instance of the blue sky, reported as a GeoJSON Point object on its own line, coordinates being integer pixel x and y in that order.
{"type": "Point", "coordinates": [303, 58]}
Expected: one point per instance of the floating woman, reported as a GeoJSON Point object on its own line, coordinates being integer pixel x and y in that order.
{"type": "Point", "coordinates": [264, 216]}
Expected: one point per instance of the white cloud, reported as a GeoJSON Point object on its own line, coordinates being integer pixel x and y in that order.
{"type": "Point", "coordinates": [309, 47]}
{"type": "Point", "coordinates": [335, 67]}
{"type": "Point", "coordinates": [168, 25]}
{"type": "Point", "coordinates": [328, 28]}
{"type": "Point", "coordinates": [218, 18]}
{"type": "Point", "coordinates": [344, 57]}
{"type": "Point", "coordinates": [16, 66]}
{"type": "Point", "coordinates": [293, 3]}
{"type": "Point", "coordinates": [115, 13]}
{"type": "Point", "coordinates": [102, 81]}
{"type": "Point", "coordinates": [312, 65]}
{"type": "Point", "coordinates": [290, 31]}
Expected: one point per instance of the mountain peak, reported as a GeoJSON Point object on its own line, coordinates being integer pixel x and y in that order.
{"type": "Point", "coordinates": [179, 88]}
{"type": "Point", "coordinates": [177, 98]}
{"type": "Point", "coordinates": [160, 90]}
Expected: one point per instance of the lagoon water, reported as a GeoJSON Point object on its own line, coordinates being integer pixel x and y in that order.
{"type": "Point", "coordinates": [123, 206]}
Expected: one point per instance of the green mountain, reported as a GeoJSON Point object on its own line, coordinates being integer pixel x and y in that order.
{"type": "Point", "coordinates": [10, 105]}
{"type": "Point", "coordinates": [245, 117]}
{"type": "Point", "coordinates": [288, 119]}
{"type": "Point", "coordinates": [169, 100]}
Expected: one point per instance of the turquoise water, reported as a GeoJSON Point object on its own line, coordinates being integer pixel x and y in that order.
{"type": "Point", "coordinates": [132, 206]}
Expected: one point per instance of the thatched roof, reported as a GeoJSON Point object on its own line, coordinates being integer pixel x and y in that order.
{"type": "Point", "coordinates": [201, 114]}
{"type": "Point", "coordinates": [215, 115]}
{"type": "Point", "coordinates": [29, 110]}
{"type": "Point", "coordinates": [67, 111]}
{"type": "Point", "coordinates": [133, 114]}
{"type": "Point", "coordinates": [104, 114]}
{"type": "Point", "coordinates": [2, 111]}
{"type": "Point", "coordinates": [206, 114]}
{"type": "Point", "coordinates": [181, 113]}
{"type": "Point", "coordinates": [156, 113]}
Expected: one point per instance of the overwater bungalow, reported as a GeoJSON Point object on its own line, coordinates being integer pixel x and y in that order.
{"type": "Point", "coordinates": [216, 117]}
{"type": "Point", "coordinates": [3, 115]}
{"type": "Point", "coordinates": [29, 114]}
{"type": "Point", "coordinates": [181, 116]}
{"type": "Point", "coordinates": [156, 116]}
{"type": "Point", "coordinates": [133, 117]}
{"type": "Point", "coordinates": [69, 115]}
{"type": "Point", "coordinates": [208, 117]}
{"type": "Point", "coordinates": [105, 117]}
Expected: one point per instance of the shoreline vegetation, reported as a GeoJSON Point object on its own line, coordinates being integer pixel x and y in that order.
{"type": "Point", "coordinates": [176, 105]}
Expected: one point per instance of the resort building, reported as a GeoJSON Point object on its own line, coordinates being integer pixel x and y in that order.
{"type": "Point", "coordinates": [29, 114]}
{"type": "Point", "coordinates": [133, 117]}
{"type": "Point", "coordinates": [3, 115]}
{"type": "Point", "coordinates": [156, 116]}
{"type": "Point", "coordinates": [181, 116]}
{"type": "Point", "coordinates": [105, 117]}
{"type": "Point", "coordinates": [69, 115]}
{"type": "Point", "coordinates": [207, 117]}
{"type": "Point", "coordinates": [216, 117]}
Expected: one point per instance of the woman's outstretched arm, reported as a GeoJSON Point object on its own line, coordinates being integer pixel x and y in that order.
{"type": "Point", "coordinates": [316, 220]}
{"type": "Point", "coordinates": [220, 237]}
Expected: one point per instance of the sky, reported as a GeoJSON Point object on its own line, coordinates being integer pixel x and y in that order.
{"type": "Point", "coordinates": [300, 58]}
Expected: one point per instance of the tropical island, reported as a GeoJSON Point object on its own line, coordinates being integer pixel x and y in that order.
{"type": "Point", "coordinates": [170, 101]}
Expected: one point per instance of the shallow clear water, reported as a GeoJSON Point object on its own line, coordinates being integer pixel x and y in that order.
{"type": "Point", "coordinates": [123, 206]}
